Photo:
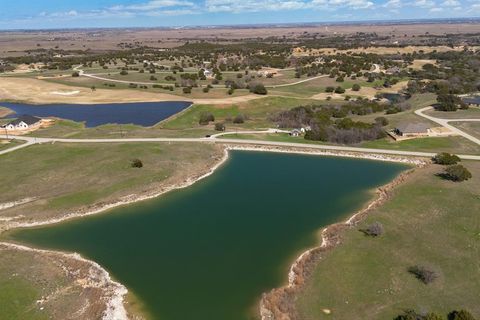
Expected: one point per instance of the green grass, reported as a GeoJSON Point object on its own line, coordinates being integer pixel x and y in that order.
{"type": "Point", "coordinates": [258, 112]}
{"type": "Point", "coordinates": [435, 144]}
{"type": "Point", "coordinates": [428, 221]}
{"type": "Point", "coordinates": [17, 299]}
{"type": "Point", "coordinates": [71, 176]}
{"type": "Point", "coordinates": [472, 128]}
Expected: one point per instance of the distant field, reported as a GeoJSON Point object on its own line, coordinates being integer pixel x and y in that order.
{"type": "Point", "coordinates": [473, 112]}
{"type": "Point", "coordinates": [428, 221]}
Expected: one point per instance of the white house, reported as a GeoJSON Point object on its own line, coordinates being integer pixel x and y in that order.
{"type": "Point", "coordinates": [23, 123]}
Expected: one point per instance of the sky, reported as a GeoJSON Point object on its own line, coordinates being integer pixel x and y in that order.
{"type": "Point", "coordinates": [42, 14]}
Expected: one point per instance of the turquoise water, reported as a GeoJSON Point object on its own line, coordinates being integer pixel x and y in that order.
{"type": "Point", "coordinates": [208, 252]}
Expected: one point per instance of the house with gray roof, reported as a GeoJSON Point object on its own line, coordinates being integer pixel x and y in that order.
{"type": "Point", "coordinates": [412, 129]}
{"type": "Point", "coordinates": [23, 122]}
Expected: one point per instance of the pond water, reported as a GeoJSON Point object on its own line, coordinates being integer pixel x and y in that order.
{"type": "Point", "coordinates": [209, 251]}
{"type": "Point", "coordinates": [139, 113]}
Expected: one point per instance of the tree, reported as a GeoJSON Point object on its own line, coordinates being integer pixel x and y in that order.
{"type": "Point", "coordinates": [445, 158]}
{"type": "Point", "coordinates": [205, 118]}
{"type": "Point", "coordinates": [457, 173]}
{"type": "Point", "coordinates": [423, 274]}
{"type": "Point", "coordinates": [374, 230]}
{"type": "Point", "coordinates": [219, 126]}
{"type": "Point", "coordinates": [136, 163]}
{"type": "Point", "coordinates": [123, 72]}
{"type": "Point", "coordinates": [356, 87]}
{"type": "Point", "coordinates": [339, 90]}
{"type": "Point", "coordinates": [460, 315]}
{"type": "Point", "coordinates": [187, 90]}
{"type": "Point", "coordinates": [329, 89]}
{"type": "Point", "coordinates": [239, 119]}
{"type": "Point", "coordinates": [75, 74]}
{"type": "Point", "coordinates": [258, 88]}
{"type": "Point", "coordinates": [382, 121]}
{"type": "Point", "coordinates": [450, 102]}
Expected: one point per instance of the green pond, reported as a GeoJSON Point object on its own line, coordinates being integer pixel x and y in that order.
{"type": "Point", "coordinates": [209, 251]}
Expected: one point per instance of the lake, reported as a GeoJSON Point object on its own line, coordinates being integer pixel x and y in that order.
{"type": "Point", "coordinates": [209, 251]}
{"type": "Point", "coordinates": [139, 113]}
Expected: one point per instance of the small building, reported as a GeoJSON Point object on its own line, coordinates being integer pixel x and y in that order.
{"type": "Point", "coordinates": [412, 130]}
{"type": "Point", "coordinates": [472, 101]}
{"type": "Point", "coordinates": [393, 70]}
{"type": "Point", "coordinates": [295, 133]}
{"type": "Point", "coordinates": [23, 123]}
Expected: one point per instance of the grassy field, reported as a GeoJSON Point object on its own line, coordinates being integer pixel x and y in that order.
{"type": "Point", "coordinates": [71, 129]}
{"type": "Point", "coordinates": [428, 221]}
{"type": "Point", "coordinates": [434, 144]}
{"type": "Point", "coordinates": [71, 177]}
{"type": "Point", "coordinates": [257, 111]}
{"type": "Point", "coordinates": [472, 128]}
{"type": "Point", "coordinates": [473, 112]}
{"type": "Point", "coordinates": [9, 144]}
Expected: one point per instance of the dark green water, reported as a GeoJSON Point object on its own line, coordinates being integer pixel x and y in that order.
{"type": "Point", "coordinates": [209, 251]}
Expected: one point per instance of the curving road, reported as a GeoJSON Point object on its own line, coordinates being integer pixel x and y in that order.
{"type": "Point", "coordinates": [34, 140]}
{"type": "Point", "coordinates": [97, 77]}
{"type": "Point", "coordinates": [445, 123]}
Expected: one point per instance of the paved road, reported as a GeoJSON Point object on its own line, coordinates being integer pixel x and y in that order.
{"type": "Point", "coordinates": [445, 123]}
{"type": "Point", "coordinates": [33, 140]}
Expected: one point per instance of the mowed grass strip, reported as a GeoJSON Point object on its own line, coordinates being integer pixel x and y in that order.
{"type": "Point", "coordinates": [428, 221]}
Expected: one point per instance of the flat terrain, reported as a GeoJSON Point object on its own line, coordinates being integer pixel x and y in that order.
{"type": "Point", "coordinates": [62, 178]}
{"type": "Point", "coordinates": [428, 221]}
{"type": "Point", "coordinates": [16, 42]}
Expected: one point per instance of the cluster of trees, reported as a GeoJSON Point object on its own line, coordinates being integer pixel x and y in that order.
{"type": "Point", "coordinates": [454, 171]}
{"type": "Point", "coordinates": [454, 315]}
{"type": "Point", "coordinates": [449, 102]}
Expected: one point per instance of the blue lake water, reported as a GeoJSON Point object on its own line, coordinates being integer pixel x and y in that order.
{"type": "Point", "coordinates": [140, 113]}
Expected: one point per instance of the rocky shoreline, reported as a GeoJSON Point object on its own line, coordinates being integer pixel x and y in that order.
{"type": "Point", "coordinates": [273, 304]}
{"type": "Point", "coordinates": [278, 304]}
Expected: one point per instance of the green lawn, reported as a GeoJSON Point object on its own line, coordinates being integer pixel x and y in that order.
{"type": "Point", "coordinates": [73, 176]}
{"type": "Point", "coordinates": [428, 221]}
{"type": "Point", "coordinates": [258, 112]}
{"type": "Point", "coordinates": [437, 144]}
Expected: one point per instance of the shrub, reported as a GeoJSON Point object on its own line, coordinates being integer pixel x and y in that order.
{"type": "Point", "coordinates": [76, 74]}
{"type": "Point", "coordinates": [258, 88]}
{"type": "Point", "coordinates": [423, 274]}
{"type": "Point", "coordinates": [457, 173]}
{"type": "Point", "coordinates": [206, 89]}
{"type": "Point", "coordinates": [239, 119]}
{"type": "Point", "coordinates": [339, 90]}
{"type": "Point", "coordinates": [445, 158]}
{"type": "Point", "coordinates": [460, 315]}
{"type": "Point", "coordinates": [205, 118]}
{"type": "Point", "coordinates": [123, 72]}
{"type": "Point", "coordinates": [153, 78]}
{"type": "Point", "coordinates": [329, 89]}
{"type": "Point", "coordinates": [136, 163]}
{"type": "Point", "coordinates": [219, 126]}
{"type": "Point", "coordinates": [356, 87]}
{"type": "Point", "coordinates": [412, 315]}
{"type": "Point", "coordinates": [374, 230]}
{"type": "Point", "coordinates": [187, 90]}
{"type": "Point", "coordinates": [230, 91]}
{"type": "Point", "coordinates": [382, 121]}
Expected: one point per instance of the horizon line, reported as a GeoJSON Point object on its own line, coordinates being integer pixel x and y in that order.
{"type": "Point", "coordinates": [405, 21]}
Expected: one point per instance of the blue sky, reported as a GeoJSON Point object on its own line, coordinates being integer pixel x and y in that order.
{"type": "Point", "coordinates": [34, 14]}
